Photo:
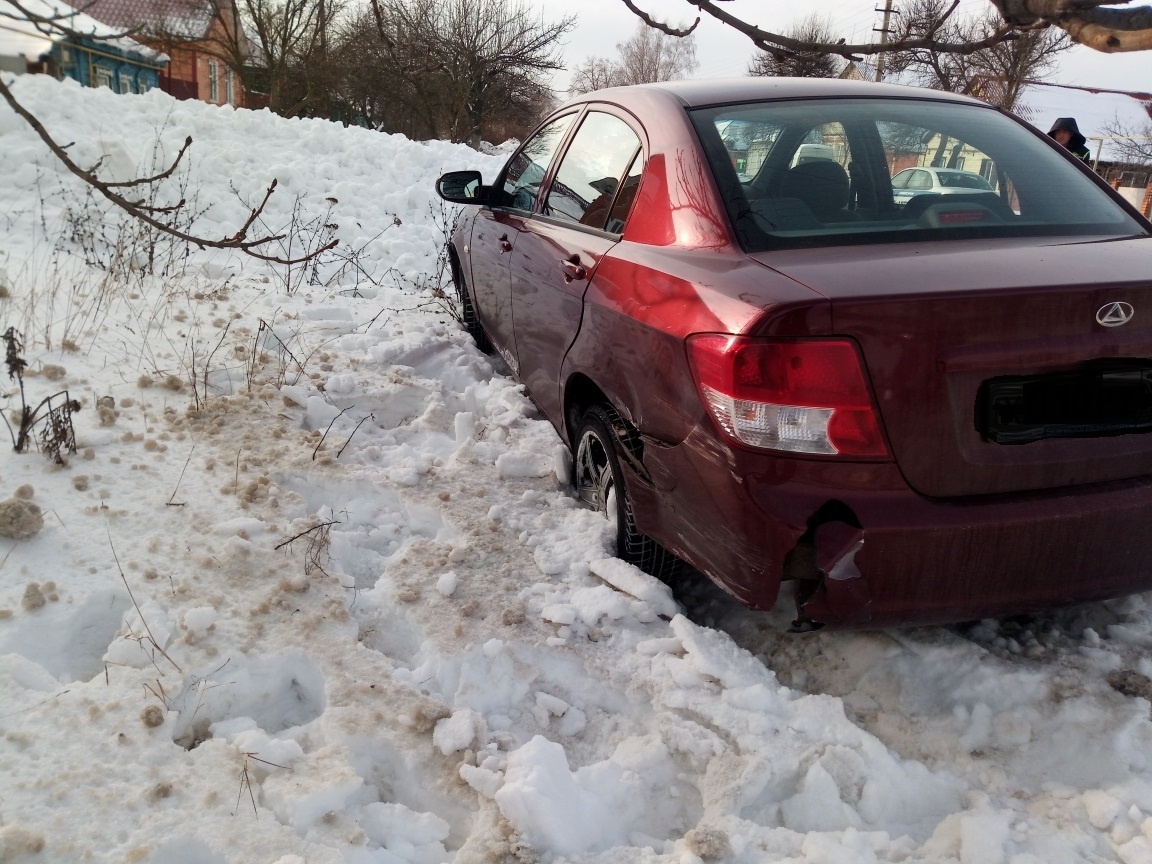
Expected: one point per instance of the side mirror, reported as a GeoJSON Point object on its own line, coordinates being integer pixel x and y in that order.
{"type": "Point", "coordinates": [462, 187]}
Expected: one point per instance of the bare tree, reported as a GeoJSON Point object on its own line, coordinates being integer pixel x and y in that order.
{"type": "Point", "coordinates": [595, 73]}
{"type": "Point", "coordinates": [460, 63]}
{"type": "Point", "coordinates": [648, 55]}
{"type": "Point", "coordinates": [1088, 22]}
{"type": "Point", "coordinates": [996, 74]}
{"type": "Point", "coordinates": [1131, 144]}
{"type": "Point", "coordinates": [800, 64]}
{"type": "Point", "coordinates": [292, 37]}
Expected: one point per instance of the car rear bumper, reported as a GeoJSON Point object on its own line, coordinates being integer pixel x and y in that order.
{"type": "Point", "coordinates": [897, 558]}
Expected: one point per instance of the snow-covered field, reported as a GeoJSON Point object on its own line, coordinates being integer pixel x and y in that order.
{"type": "Point", "coordinates": [443, 665]}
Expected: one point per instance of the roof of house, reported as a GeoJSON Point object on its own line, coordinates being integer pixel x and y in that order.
{"type": "Point", "coordinates": [186, 19]}
{"type": "Point", "coordinates": [18, 36]}
{"type": "Point", "coordinates": [864, 70]}
{"type": "Point", "coordinates": [1098, 112]}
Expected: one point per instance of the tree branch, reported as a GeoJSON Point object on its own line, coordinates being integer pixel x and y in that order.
{"type": "Point", "coordinates": [766, 40]}
{"type": "Point", "coordinates": [143, 212]}
{"type": "Point", "coordinates": [656, 25]}
{"type": "Point", "coordinates": [1111, 30]}
{"type": "Point", "coordinates": [1087, 22]}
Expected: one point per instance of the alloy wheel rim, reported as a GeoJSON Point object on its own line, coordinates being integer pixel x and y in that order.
{"type": "Point", "coordinates": [594, 482]}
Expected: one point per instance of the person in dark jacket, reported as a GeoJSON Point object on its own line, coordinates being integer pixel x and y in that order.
{"type": "Point", "coordinates": [1065, 131]}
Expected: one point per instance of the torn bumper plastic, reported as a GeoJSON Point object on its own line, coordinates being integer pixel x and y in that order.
{"type": "Point", "coordinates": [913, 560]}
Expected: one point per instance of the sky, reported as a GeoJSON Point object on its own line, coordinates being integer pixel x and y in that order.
{"type": "Point", "coordinates": [314, 588]}
{"type": "Point", "coordinates": [723, 52]}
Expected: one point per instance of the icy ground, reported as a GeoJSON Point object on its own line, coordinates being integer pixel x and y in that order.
{"type": "Point", "coordinates": [313, 588]}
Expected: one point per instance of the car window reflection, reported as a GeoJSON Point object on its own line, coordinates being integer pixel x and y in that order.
{"type": "Point", "coordinates": [527, 168]}
{"type": "Point", "coordinates": [592, 172]}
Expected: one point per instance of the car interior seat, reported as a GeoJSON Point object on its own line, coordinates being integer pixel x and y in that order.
{"type": "Point", "coordinates": [824, 186]}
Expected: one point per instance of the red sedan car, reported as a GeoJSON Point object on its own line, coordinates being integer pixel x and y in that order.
{"type": "Point", "coordinates": [770, 368]}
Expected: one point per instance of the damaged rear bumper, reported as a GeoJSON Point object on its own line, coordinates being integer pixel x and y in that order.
{"type": "Point", "coordinates": [878, 554]}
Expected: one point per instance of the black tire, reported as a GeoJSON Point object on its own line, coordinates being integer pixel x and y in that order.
{"type": "Point", "coordinates": [468, 313]}
{"type": "Point", "coordinates": [599, 483]}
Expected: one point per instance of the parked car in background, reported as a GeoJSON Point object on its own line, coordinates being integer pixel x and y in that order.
{"type": "Point", "coordinates": [932, 411]}
{"type": "Point", "coordinates": [812, 152]}
{"type": "Point", "coordinates": [936, 181]}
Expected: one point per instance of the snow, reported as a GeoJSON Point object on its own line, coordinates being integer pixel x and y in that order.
{"type": "Point", "coordinates": [314, 587]}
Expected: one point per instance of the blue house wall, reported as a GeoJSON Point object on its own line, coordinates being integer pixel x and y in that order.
{"type": "Point", "coordinates": [95, 63]}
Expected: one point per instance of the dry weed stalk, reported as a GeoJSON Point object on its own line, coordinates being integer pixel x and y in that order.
{"type": "Point", "coordinates": [246, 781]}
{"type": "Point", "coordinates": [159, 692]}
{"type": "Point", "coordinates": [53, 413]}
{"type": "Point", "coordinates": [172, 502]}
{"type": "Point", "coordinates": [149, 638]}
{"type": "Point", "coordinates": [340, 452]}
{"type": "Point", "coordinates": [200, 381]}
{"type": "Point", "coordinates": [317, 549]}
{"type": "Point", "coordinates": [283, 355]}
{"type": "Point", "coordinates": [320, 443]}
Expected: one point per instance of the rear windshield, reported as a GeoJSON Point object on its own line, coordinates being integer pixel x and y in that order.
{"type": "Point", "coordinates": [996, 178]}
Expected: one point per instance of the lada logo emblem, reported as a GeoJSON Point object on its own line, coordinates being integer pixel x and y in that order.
{"type": "Point", "coordinates": [1115, 314]}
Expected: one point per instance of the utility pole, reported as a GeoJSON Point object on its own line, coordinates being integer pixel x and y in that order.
{"type": "Point", "coordinates": [887, 10]}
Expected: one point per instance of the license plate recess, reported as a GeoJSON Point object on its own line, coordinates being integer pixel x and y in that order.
{"type": "Point", "coordinates": [1101, 398]}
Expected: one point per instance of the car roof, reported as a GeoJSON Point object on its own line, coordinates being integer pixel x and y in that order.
{"type": "Point", "coordinates": [720, 91]}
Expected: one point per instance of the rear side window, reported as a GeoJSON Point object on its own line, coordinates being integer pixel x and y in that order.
{"type": "Point", "coordinates": [594, 181]}
{"type": "Point", "coordinates": [841, 171]}
{"type": "Point", "coordinates": [963, 180]}
{"type": "Point", "coordinates": [526, 170]}
{"type": "Point", "coordinates": [920, 180]}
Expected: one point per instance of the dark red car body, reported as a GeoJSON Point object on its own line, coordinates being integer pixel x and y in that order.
{"type": "Point", "coordinates": [947, 523]}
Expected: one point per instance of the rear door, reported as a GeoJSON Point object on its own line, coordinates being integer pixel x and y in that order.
{"type": "Point", "coordinates": [580, 219]}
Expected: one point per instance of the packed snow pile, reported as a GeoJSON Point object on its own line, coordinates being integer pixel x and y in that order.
{"type": "Point", "coordinates": [312, 587]}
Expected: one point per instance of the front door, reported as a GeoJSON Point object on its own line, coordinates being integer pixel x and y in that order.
{"type": "Point", "coordinates": [497, 227]}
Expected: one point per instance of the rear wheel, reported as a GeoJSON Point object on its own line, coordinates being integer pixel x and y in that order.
{"type": "Point", "coordinates": [468, 313]}
{"type": "Point", "coordinates": [600, 485]}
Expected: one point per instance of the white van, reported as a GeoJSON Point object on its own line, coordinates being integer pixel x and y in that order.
{"type": "Point", "coordinates": [812, 152]}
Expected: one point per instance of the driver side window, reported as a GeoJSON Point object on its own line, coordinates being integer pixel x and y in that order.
{"type": "Point", "coordinates": [525, 173]}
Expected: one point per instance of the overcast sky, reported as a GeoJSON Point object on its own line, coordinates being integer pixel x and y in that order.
{"type": "Point", "coordinates": [723, 52]}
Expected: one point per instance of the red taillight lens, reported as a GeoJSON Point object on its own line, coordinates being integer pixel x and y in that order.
{"type": "Point", "coordinates": [806, 396]}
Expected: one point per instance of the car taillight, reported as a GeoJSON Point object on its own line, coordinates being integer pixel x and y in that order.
{"type": "Point", "coordinates": [806, 396]}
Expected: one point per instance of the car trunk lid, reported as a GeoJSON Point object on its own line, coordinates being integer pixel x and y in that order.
{"type": "Point", "coordinates": [989, 365]}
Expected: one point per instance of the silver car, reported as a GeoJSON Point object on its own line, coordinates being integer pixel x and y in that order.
{"type": "Point", "coordinates": [936, 181]}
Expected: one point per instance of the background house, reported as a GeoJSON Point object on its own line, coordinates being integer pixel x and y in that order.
{"type": "Point", "coordinates": [203, 38]}
{"type": "Point", "coordinates": [83, 49]}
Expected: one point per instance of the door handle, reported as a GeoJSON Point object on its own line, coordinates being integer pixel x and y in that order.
{"type": "Point", "coordinates": [505, 244]}
{"type": "Point", "coordinates": [573, 269]}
